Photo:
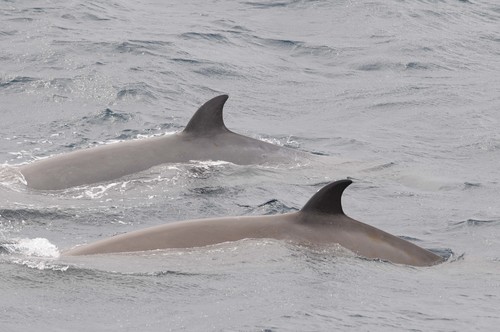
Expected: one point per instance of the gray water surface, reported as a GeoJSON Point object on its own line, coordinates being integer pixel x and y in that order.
{"type": "Point", "coordinates": [401, 96]}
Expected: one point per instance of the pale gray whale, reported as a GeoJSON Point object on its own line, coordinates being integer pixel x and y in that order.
{"type": "Point", "coordinates": [320, 222]}
{"type": "Point", "coordinates": [204, 138]}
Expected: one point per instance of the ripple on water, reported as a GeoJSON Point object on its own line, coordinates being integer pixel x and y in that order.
{"type": "Point", "coordinates": [137, 91]}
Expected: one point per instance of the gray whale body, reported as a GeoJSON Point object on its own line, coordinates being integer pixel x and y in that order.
{"type": "Point", "coordinates": [321, 221]}
{"type": "Point", "coordinates": [204, 138]}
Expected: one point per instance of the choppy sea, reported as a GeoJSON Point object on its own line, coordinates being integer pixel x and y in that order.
{"type": "Point", "coordinates": [408, 92]}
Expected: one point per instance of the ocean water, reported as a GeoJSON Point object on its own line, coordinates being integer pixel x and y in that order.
{"type": "Point", "coordinates": [406, 92]}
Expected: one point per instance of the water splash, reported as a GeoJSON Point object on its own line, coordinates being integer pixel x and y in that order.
{"type": "Point", "coordinates": [11, 178]}
{"type": "Point", "coordinates": [37, 247]}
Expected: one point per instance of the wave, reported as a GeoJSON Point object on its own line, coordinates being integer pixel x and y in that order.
{"type": "Point", "coordinates": [212, 37]}
{"type": "Point", "coordinates": [477, 222]}
{"type": "Point", "coordinates": [18, 80]}
{"type": "Point", "coordinates": [272, 4]}
{"type": "Point", "coordinates": [137, 91]}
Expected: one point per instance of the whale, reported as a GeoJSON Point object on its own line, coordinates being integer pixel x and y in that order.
{"type": "Point", "coordinates": [204, 138]}
{"type": "Point", "coordinates": [321, 221]}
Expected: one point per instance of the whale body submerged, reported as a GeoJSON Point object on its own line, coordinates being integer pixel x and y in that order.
{"type": "Point", "coordinates": [204, 138]}
{"type": "Point", "coordinates": [321, 221]}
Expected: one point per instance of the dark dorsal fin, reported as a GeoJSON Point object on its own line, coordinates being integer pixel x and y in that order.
{"type": "Point", "coordinates": [208, 118]}
{"type": "Point", "coordinates": [328, 199]}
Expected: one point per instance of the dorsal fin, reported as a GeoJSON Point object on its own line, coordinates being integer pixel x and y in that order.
{"type": "Point", "coordinates": [208, 118]}
{"type": "Point", "coordinates": [328, 199]}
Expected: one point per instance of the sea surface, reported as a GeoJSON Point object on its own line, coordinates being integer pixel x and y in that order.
{"type": "Point", "coordinates": [407, 93]}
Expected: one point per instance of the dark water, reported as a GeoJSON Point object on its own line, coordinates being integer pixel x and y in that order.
{"type": "Point", "coordinates": [406, 91]}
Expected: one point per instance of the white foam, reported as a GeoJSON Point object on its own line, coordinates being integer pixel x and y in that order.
{"type": "Point", "coordinates": [37, 247]}
{"type": "Point", "coordinates": [289, 141]}
{"type": "Point", "coordinates": [42, 265]}
{"type": "Point", "coordinates": [98, 191]}
{"type": "Point", "coordinates": [10, 176]}
{"type": "Point", "coordinates": [209, 163]}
